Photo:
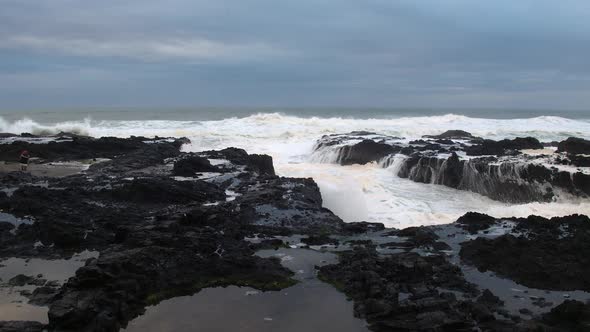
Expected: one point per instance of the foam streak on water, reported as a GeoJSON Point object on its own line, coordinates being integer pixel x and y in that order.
{"type": "Point", "coordinates": [355, 193]}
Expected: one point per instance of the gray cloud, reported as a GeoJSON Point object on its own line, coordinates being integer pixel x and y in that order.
{"type": "Point", "coordinates": [526, 54]}
{"type": "Point", "coordinates": [193, 49]}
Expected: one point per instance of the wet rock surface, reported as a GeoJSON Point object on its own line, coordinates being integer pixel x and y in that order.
{"type": "Point", "coordinates": [541, 253]}
{"type": "Point", "coordinates": [21, 326]}
{"type": "Point", "coordinates": [164, 224]}
{"type": "Point", "coordinates": [158, 236]}
{"type": "Point", "coordinates": [456, 159]}
{"type": "Point", "coordinates": [574, 145]}
{"type": "Point", "coordinates": [409, 284]}
{"type": "Point", "coordinates": [409, 292]}
{"type": "Point", "coordinates": [66, 147]}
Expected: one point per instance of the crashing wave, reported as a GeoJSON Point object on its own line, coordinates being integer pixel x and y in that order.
{"type": "Point", "coordinates": [508, 177]}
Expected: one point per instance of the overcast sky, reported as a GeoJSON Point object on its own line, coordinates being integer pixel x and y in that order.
{"type": "Point", "coordinates": [380, 53]}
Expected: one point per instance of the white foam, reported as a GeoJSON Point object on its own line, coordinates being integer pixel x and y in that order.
{"type": "Point", "coordinates": [354, 192]}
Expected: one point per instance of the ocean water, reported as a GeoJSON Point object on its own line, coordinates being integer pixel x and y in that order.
{"type": "Point", "coordinates": [355, 193]}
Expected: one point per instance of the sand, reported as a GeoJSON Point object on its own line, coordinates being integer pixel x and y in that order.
{"type": "Point", "coordinates": [48, 169]}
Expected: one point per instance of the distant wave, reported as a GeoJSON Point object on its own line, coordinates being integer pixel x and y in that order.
{"type": "Point", "coordinates": [27, 125]}
{"type": "Point", "coordinates": [273, 125]}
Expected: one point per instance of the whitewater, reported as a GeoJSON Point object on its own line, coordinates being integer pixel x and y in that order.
{"type": "Point", "coordinates": [355, 193]}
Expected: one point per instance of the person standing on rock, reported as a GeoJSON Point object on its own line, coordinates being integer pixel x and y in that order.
{"type": "Point", "coordinates": [24, 160]}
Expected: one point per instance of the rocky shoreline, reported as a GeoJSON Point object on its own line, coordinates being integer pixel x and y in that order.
{"type": "Point", "coordinates": [520, 170]}
{"type": "Point", "coordinates": [161, 223]}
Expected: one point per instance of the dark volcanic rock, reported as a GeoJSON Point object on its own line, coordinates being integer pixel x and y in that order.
{"type": "Point", "coordinates": [318, 240]}
{"type": "Point", "coordinates": [362, 227]}
{"type": "Point", "coordinates": [502, 172]}
{"type": "Point", "coordinates": [579, 161]}
{"type": "Point", "coordinates": [452, 134]}
{"type": "Point", "coordinates": [489, 299]}
{"type": "Point", "coordinates": [112, 290]}
{"type": "Point", "coordinates": [365, 152]}
{"type": "Point", "coordinates": [507, 182]}
{"type": "Point", "coordinates": [474, 222]}
{"type": "Point", "coordinates": [290, 203]}
{"type": "Point", "coordinates": [20, 280]}
{"type": "Point", "coordinates": [574, 145]}
{"type": "Point", "coordinates": [417, 237]}
{"type": "Point", "coordinates": [189, 166]}
{"type": "Point", "coordinates": [157, 237]}
{"type": "Point", "coordinates": [165, 191]}
{"type": "Point", "coordinates": [261, 164]}
{"type": "Point", "coordinates": [21, 326]}
{"type": "Point", "coordinates": [552, 253]}
{"type": "Point", "coordinates": [503, 147]}
{"type": "Point", "coordinates": [569, 316]}
{"type": "Point", "coordinates": [43, 295]}
{"type": "Point", "coordinates": [375, 284]}
{"type": "Point", "coordinates": [79, 147]}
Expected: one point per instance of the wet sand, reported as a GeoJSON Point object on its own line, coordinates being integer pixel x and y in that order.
{"type": "Point", "coordinates": [48, 170]}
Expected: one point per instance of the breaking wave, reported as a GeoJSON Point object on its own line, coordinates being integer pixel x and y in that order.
{"type": "Point", "coordinates": [369, 192]}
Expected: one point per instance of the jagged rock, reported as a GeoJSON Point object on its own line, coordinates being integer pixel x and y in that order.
{"type": "Point", "coordinates": [362, 227]}
{"type": "Point", "coordinates": [554, 254]}
{"type": "Point", "coordinates": [21, 280]}
{"type": "Point", "coordinates": [21, 326]}
{"type": "Point", "coordinates": [489, 299]}
{"type": "Point", "coordinates": [131, 279]}
{"type": "Point", "coordinates": [159, 237]}
{"type": "Point", "coordinates": [452, 134]}
{"type": "Point", "coordinates": [165, 191]}
{"type": "Point", "coordinates": [574, 145]}
{"type": "Point", "coordinates": [501, 172]}
{"type": "Point", "coordinates": [503, 147]}
{"type": "Point", "coordinates": [261, 164]}
{"type": "Point", "coordinates": [507, 182]}
{"type": "Point", "coordinates": [474, 222]}
{"type": "Point", "coordinates": [374, 283]}
{"type": "Point", "coordinates": [569, 316]}
{"type": "Point", "coordinates": [317, 240]}
{"type": "Point", "coordinates": [189, 166]}
{"type": "Point", "coordinates": [43, 295]}
{"type": "Point", "coordinates": [365, 152]}
{"type": "Point", "coordinates": [579, 161]}
{"type": "Point", "coordinates": [80, 147]}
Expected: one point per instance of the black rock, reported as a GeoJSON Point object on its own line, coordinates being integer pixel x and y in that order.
{"type": "Point", "coordinates": [260, 164]}
{"type": "Point", "coordinates": [43, 295]}
{"type": "Point", "coordinates": [452, 134]}
{"type": "Point", "coordinates": [574, 145]}
{"type": "Point", "coordinates": [190, 165]}
{"type": "Point", "coordinates": [362, 227]}
{"type": "Point", "coordinates": [80, 147]}
{"type": "Point", "coordinates": [21, 280]}
{"type": "Point", "coordinates": [569, 316]}
{"type": "Point", "coordinates": [374, 284]}
{"type": "Point", "coordinates": [489, 299]}
{"type": "Point", "coordinates": [474, 222]}
{"type": "Point", "coordinates": [21, 326]}
{"type": "Point", "coordinates": [547, 258]}
{"type": "Point", "coordinates": [503, 147]}
{"type": "Point", "coordinates": [317, 240]}
{"type": "Point", "coordinates": [365, 152]}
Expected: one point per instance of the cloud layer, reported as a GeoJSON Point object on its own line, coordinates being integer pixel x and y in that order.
{"type": "Point", "coordinates": [192, 50]}
{"type": "Point", "coordinates": [404, 53]}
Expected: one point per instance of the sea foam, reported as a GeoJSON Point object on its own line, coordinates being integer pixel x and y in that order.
{"type": "Point", "coordinates": [370, 192]}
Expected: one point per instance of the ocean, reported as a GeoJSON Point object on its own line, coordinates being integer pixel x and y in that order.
{"type": "Point", "coordinates": [355, 193]}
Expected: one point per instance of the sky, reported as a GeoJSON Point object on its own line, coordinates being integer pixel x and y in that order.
{"type": "Point", "coordinates": [307, 53]}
